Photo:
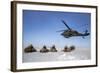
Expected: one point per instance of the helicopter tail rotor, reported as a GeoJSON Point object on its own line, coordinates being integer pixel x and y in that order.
{"type": "Point", "coordinates": [86, 31]}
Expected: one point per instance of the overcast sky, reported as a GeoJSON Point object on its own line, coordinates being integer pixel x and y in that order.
{"type": "Point", "coordinates": [40, 28]}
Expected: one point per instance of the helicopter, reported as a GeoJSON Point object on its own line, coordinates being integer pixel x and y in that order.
{"type": "Point", "coordinates": [72, 33]}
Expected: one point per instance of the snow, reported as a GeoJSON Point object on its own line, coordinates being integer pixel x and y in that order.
{"type": "Point", "coordinates": [77, 54]}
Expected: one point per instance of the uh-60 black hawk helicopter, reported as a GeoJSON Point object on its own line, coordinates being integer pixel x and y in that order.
{"type": "Point", "coordinates": [72, 33]}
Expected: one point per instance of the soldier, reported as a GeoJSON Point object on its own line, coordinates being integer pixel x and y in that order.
{"type": "Point", "coordinates": [72, 48]}
{"type": "Point", "coordinates": [29, 49]}
{"type": "Point", "coordinates": [44, 49]}
{"type": "Point", "coordinates": [66, 49]}
{"type": "Point", "coordinates": [53, 49]}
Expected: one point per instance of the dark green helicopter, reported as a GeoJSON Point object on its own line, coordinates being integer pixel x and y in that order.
{"type": "Point", "coordinates": [72, 33]}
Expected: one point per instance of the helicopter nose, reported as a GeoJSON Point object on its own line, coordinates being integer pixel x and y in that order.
{"type": "Point", "coordinates": [62, 33]}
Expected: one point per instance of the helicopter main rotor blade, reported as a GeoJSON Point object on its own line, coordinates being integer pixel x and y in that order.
{"type": "Point", "coordinates": [66, 25]}
{"type": "Point", "coordinates": [60, 30]}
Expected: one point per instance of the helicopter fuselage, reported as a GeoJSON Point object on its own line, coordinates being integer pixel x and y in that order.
{"type": "Point", "coordinates": [72, 33]}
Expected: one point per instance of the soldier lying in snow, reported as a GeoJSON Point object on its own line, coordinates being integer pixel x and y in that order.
{"type": "Point", "coordinates": [53, 49]}
{"type": "Point", "coordinates": [44, 49]}
{"type": "Point", "coordinates": [29, 49]}
{"type": "Point", "coordinates": [66, 49]}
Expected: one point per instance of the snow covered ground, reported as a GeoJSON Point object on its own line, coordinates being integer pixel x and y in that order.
{"type": "Point", "coordinates": [77, 54]}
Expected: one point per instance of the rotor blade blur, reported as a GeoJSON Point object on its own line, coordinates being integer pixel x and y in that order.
{"type": "Point", "coordinates": [60, 30]}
